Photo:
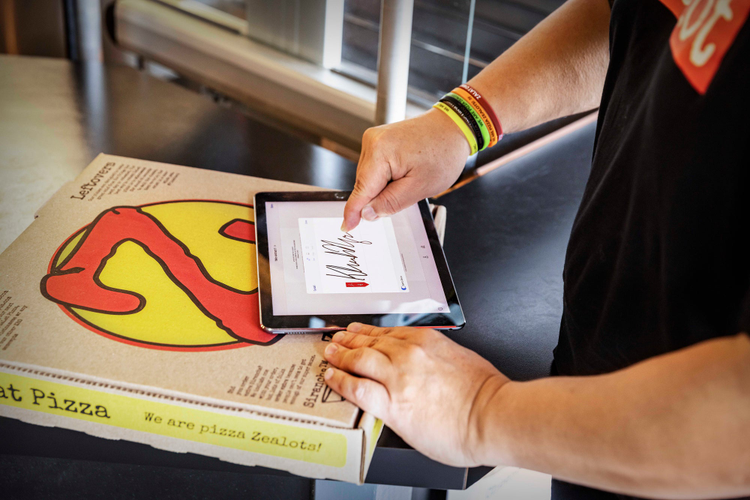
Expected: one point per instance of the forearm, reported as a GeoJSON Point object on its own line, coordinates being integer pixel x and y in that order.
{"type": "Point", "coordinates": [675, 426]}
{"type": "Point", "coordinates": [557, 69]}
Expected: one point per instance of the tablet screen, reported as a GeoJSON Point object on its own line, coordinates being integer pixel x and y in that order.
{"type": "Point", "coordinates": [381, 267]}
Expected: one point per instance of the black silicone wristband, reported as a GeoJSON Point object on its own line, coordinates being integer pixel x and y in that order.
{"type": "Point", "coordinates": [466, 116]}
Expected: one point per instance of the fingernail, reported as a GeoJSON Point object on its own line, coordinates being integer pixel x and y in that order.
{"type": "Point", "coordinates": [368, 214]}
{"type": "Point", "coordinates": [343, 227]}
{"type": "Point", "coordinates": [354, 327]}
{"type": "Point", "coordinates": [329, 373]}
{"type": "Point", "coordinates": [338, 337]}
{"type": "Point", "coordinates": [331, 349]}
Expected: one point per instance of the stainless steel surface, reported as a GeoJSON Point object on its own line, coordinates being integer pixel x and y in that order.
{"type": "Point", "coordinates": [42, 137]}
{"type": "Point", "coordinates": [57, 116]}
{"type": "Point", "coordinates": [111, 52]}
{"type": "Point", "coordinates": [89, 23]}
{"type": "Point", "coordinates": [310, 29]}
{"type": "Point", "coordinates": [304, 94]}
{"type": "Point", "coordinates": [394, 48]}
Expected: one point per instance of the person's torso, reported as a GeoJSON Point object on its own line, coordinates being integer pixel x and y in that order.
{"type": "Point", "coordinates": [658, 257]}
{"type": "Point", "coordinates": [659, 254]}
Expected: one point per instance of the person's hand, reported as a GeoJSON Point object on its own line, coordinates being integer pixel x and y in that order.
{"type": "Point", "coordinates": [403, 163]}
{"type": "Point", "coordinates": [428, 389]}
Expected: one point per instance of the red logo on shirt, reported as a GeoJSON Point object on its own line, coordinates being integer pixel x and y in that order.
{"type": "Point", "coordinates": [704, 32]}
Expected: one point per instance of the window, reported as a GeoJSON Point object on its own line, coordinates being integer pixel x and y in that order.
{"type": "Point", "coordinates": [441, 32]}
{"type": "Point", "coordinates": [319, 57]}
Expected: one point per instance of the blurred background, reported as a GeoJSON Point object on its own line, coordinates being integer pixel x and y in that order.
{"type": "Point", "coordinates": [308, 67]}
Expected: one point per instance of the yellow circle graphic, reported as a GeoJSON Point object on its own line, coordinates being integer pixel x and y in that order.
{"type": "Point", "coordinates": [178, 275]}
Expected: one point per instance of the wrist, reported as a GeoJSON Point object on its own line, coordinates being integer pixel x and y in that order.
{"type": "Point", "coordinates": [448, 132]}
{"type": "Point", "coordinates": [488, 440]}
{"type": "Point", "coordinates": [473, 116]}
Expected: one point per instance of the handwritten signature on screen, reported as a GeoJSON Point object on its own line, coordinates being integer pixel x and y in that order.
{"type": "Point", "coordinates": [346, 247]}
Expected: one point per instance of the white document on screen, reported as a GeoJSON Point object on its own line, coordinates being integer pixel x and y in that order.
{"type": "Point", "coordinates": [364, 260]}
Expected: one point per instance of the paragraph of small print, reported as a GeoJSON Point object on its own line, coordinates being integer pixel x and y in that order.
{"type": "Point", "coordinates": [132, 178]}
{"type": "Point", "coordinates": [10, 319]}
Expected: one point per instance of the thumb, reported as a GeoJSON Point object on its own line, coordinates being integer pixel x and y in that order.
{"type": "Point", "coordinates": [372, 178]}
{"type": "Point", "coordinates": [396, 196]}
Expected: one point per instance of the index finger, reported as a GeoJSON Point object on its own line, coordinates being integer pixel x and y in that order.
{"type": "Point", "coordinates": [372, 177]}
{"type": "Point", "coordinates": [356, 341]}
{"type": "Point", "coordinates": [377, 331]}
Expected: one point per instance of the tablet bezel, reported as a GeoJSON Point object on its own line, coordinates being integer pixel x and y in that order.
{"type": "Point", "coordinates": [452, 319]}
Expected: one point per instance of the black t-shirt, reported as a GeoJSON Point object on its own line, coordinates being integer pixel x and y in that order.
{"type": "Point", "coordinates": [659, 255]}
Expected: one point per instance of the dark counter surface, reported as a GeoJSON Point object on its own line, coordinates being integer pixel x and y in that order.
{"type": "Point", "coordinates": [505, 238]}
{"type": "Point", "coordinates": [505, 243]}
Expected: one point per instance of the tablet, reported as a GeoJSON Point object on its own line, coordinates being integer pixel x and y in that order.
{"type": "Point", "coordinates": [313, 276]}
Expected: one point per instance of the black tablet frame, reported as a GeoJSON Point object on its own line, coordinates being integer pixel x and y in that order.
{"type": "Point", "coordinates": [452, 319]}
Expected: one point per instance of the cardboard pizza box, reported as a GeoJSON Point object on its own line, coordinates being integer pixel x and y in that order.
{"type": "Point", "coordinates": [129, 310]}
